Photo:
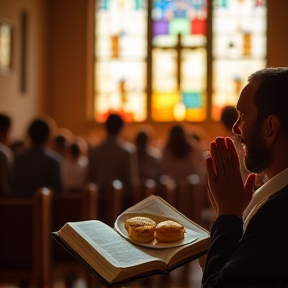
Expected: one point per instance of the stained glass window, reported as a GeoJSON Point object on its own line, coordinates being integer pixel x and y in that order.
{"type": "Point", "coordinates": [152, 64]}
{"type": "Point", "coordinates": [121, 52]}
{"type": "Point", "coordinates": [179, 60]}
{"type": "Point", "coordinates": [239, 48]}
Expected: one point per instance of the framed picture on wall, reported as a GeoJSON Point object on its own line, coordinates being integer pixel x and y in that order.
{"type": "Point", "coordinates": [6, 33]}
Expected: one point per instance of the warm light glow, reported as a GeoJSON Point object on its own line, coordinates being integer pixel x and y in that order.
{"type": "Point", "coordinates": [179, 111]}
{"type": "Point", "coordinates": [5, 46]}
{"type": "Point", "coordinates": [163, 105]}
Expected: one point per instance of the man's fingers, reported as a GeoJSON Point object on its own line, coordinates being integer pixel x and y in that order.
{"type": "Point", "coordinates": [226, 190]}
{"type": "Point", "coordinates": [211, 177]}
{"type": "Point", "coordinates": [217, 163]}
{"type": "Point", "coordinates": [212, 199]}
{"type": "Point", "coordinates": [210, 168]}
{"type": "Point", "coordinates": [233, 155]}
{"type": "Point", "coordinates": [228, 154]}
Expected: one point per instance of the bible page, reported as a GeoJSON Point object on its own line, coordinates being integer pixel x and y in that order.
{"type": "Point", "coordinates": [108, 243]}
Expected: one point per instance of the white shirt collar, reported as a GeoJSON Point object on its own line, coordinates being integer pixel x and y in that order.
{"type": "Point", "coordinates": [261, 195]}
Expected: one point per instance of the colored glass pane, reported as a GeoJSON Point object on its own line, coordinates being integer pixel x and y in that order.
{"type": "Point", "coordinates": [191, 99]}
{"type": "Point", "coordinates": [185, 17]}
{"type": "Point", "coordinates": [179, 26]}
{"type": "Point", "coordinates": [239, 48]}
{"type": "Point", "coordinates": [197, 113]}
{"type": "Point", "coordinates": [163, 104]}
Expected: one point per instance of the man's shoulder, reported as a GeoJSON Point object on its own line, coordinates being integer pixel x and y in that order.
{"type": "Point", "coordinates": [118, 146]}
{"type": "Point", "coordinates": [280, 196]}
{"type": "Point", "coordinates": [154, 152]}
{"type": "Point", "coordinates": [23, 154]}
{"type": "Point", "coordinates": [52, 155]}
{"type": "Point", "coordinates": [127, 146]}
{"type": "Point", "coordinates": [276, 206]}
{"type": "Point", "coordinates": [101, 147]}
{"type": "Point", "coordinates": [32, 154]}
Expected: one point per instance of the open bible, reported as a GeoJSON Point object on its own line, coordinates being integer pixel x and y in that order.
{"type": "Point", "coordinates": [111, 256]}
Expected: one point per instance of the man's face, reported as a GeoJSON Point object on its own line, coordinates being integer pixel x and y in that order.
{"type": "Point", "coordinates": [257, 155]}
{"type": "Point", "coordinates": [249, 128]}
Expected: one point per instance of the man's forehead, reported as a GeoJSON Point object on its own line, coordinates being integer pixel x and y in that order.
{"type": "Point", "coordinates": [246, 97]}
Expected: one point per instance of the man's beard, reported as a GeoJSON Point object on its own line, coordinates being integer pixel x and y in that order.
{"type": "Point", "coordinates": [257, 156]}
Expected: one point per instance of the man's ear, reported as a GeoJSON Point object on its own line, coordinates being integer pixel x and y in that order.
{"type": "Point", "coordinates": [272, 127]}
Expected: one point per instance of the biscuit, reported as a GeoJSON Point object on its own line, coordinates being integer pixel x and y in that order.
{"type": "Point", "coordinates": [140, 229]}
{"type": "Point", "coordinates": [169, 231]}
{"type": "Point", "coordinates": [138, 221]}
{"type": "Point", "coordinates": [142, 234]}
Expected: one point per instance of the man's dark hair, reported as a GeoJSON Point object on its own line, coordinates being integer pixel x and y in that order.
{"type": "Point", "coordinates": [5, 121]}
{"type": "Point", "coordinates": [229, 116]}
{"type": "Point", "coordinates": [271, 97]}
{"type": "Point", "coordinates": [39, 131]}
{"type": "Point", "coordinates": [114, 124]}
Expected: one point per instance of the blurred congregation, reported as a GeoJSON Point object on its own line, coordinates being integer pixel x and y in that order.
{"type": "Point", "coordinates": [58, 163]}
{"type": "Point", "coordinates": [97, 180]}
{"type": "Point", "coordinates": [66, 163]}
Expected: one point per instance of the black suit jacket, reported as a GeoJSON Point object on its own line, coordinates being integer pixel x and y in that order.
{"type": "Point", "coordinates": [257, 258]}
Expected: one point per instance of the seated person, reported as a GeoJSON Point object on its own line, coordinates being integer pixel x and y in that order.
{"type": "Point", "coordinates": [149, 158]}
{"type": "Point", "coordinates": [182, 156]}
{"type": "Point", "coordinates": [75, 169]}
{"type": "Point", "coordinates": [114, 159]}
{"type": "Point", "coordinates": [37, 166]}
{"type": "Point", "coordinates": [6, 155]}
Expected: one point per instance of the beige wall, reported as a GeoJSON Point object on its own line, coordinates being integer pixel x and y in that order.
{"type": "Point", "coordinates": [23, 106]}
{"type": "Point", "coordinates": [62, 86]}
{"type": "Point", "coordinates": [67, 72]}
{"type": "Point", "coordinates": [277, 33]}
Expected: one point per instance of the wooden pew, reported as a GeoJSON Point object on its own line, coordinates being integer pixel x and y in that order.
{"type": "Point", "coordinates": [144, 190]}
{"type": "Point", "coordinates": [25, 240]}
{"type": "Point", "coordinates": [199, 198]}
{"type": "Point", "coordinates": [166, 190]}
{"type": "Point", "coordinates": [189, 196]}
{"type": "Point", "coordinates": [72, 207]}
{"type": "Point", "coordinates": [110, 202]}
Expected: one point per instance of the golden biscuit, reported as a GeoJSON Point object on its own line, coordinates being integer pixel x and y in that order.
{"type": "Point", "coordinates": [138, 221]}
{"type": "Point", "coordinates": [169, 231]}
{"type": "Point", "coordinates": [142, 234]}
{"type": "Point", "coordinates": [140, 229]}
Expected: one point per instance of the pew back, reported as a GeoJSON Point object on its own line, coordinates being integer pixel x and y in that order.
{"type": "Point", "coordinates": [25, 239]}
{"type": "Point", "coordinates": [72, 207]}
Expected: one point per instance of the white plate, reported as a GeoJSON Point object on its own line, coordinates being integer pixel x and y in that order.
{"type": "Point", "coordinates": [189, 235]}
